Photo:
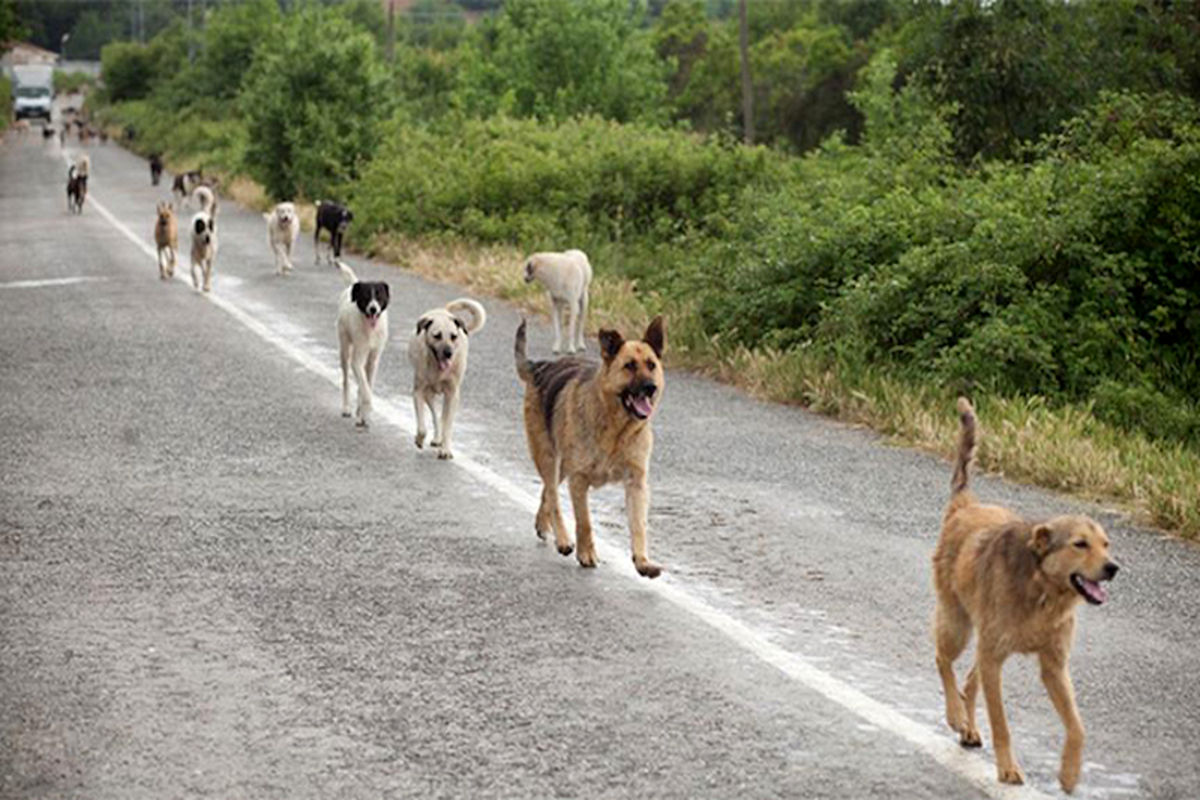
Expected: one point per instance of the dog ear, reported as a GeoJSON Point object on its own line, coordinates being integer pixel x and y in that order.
{"type": "Point", "coordinates": [423, 324]}
{"type": "Point", "coordinates": [199, 226]}
{"type": "Point", "coordinates": [384, 295]}
{"type": "Point", "coordinates": [461, 325]}
{"type": "Point", "coordinates": [610, 343]}
{"type": "Point", "coordinates": [359, 294]}
{"type": "Point", "coordinates": [1041, 540]}
{"type": "Point", "coordinates": [656, 336]}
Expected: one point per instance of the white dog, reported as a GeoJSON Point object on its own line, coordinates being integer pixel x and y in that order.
{"type": "Point", "coordinates": [362, 334]}
{"type": "Point", "coordinates": [283, 226]}
{"type": "Point", "coordinates": [566, 277]}
{"type": "Point", "coordinates": [438, 354]}
{"type": "Point", "coordinates": [204, 249]}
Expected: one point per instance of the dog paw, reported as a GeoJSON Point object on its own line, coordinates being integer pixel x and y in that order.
{"type": "Point", "coordinates": [647, 568]}
{"type": "Point", "coordinates": [1011, 774]}
{"type": "Point", "coordinates": [565, 548]}
{"type": "Point", "coordinates": [419, 440]}
{"type": "Point", "coordinates": [970, 738]}
{"type": "Point", "coordinates": [445, 455]}
{"type": "Point", "coordinates": [586, 558]}
{"type": "Point", "coordinates": [346, 413]}
{"type": "Point", "coordinates": [361, 423]}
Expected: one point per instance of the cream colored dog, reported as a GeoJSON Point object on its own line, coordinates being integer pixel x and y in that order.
{"type": "Point", "coordinates": [206, 199]}
{"type": "Point", "coordinates": [438, 354]}
{"type": "Point", "coordinates": [283, 226]}
{"type": "Point", "coordinates": [204, 250]}
{"type": "Point", "coordinates": [566, 277]}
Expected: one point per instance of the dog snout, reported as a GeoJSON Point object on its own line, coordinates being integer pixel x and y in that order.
{"type": "Point", "coordinates": [447, 352]}
{"type": "Point", "coordinates": [646, 388]}
{"type": "Point", "coordinates": [1111, 569]}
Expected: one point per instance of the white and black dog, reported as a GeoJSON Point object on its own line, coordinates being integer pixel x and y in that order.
{"type": "Point", "coordinates": [335, 219]}
{"type": "Point", "coordinates": [184, 184]}
{"type": "Point", "coordinates": [77, 179]}
{"type": "Point", "coordinates": [362, 328]}
{"type": "Point", "coordinates": [204, 249]}
{"type": "Point", "coordinates": [283, 226]}
{"type": "Point", "coordinates": [438, 354]}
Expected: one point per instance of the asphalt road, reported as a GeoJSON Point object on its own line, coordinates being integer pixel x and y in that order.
{"type": "Point", "coordinates": [211, 584]}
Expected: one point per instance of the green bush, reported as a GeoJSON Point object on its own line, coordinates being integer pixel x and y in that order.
{"type": "Point", "coordinates": [312, 101]}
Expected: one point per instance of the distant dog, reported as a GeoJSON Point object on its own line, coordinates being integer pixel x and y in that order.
{"type": "Point", "coordinates": [77, 180]}
{"type": "Point", "coordinates": [184, 184]}
{"type": "Point", "coordinates": [206, 199]}
{"type": "Point", "coordinates": [335, 219]}
{"type": "Point", "coordinates": [47, 133]}
{"type": "Point", "coordinates": [283, 226]}
{"type": "Point", "coordinates": [204, 250]}
{"type": "Point", "coordinates": [438, 354]}
{"type": "Point", "coordinates": [166, 237]}
{"type": "Point", "coordinates": [21, 127]}
{"type": "Point", "coordinates": [362, 328]}
{"type": "Point", "coordinates": [1017, 583]}
{"type": "Point", "coordinates": [590, 423]}
{"type": "Point", "coordinates": [156, 168]}
{"type": "Point", "coordinates": [566, 277]}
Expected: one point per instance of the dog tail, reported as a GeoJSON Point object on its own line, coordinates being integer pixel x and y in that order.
{"type": "Point", "coordinates": [478, 315]}
{"type": "Point", "coordinates": [347, 273]}
{"type": "Point", "coordinates": [524, 365]}
{"type": "Point", "coordinates": [966, 447]}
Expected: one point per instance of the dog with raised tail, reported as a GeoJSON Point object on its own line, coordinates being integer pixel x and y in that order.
{"type": "Point", "coordinates": [362, 327]}
{"type": "Point", "coordinates": [204, 197]}
{"type": "Point", "coordinates": [1017, 584]}
{"type": "Point", "coordinates": [566, 277]}
{"type": "Point", "coordinates": [204, 250]}
{"type": "Point", "coordinates": [77, 181]}
{"type": "Point", "coordinates": [438, 355]}
{"type": "Point", "coordinates": [589, 423]}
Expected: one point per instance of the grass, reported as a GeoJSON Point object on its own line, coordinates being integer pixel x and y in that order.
{"type": "Point", "coordinates": [1065, 448]}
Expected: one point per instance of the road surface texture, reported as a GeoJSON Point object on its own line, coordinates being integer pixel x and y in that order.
{"type": "Point", "coordinates": [211, 584]}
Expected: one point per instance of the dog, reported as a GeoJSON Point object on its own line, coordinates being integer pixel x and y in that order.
{"type": "Point", "coordinates": [335, 219]}
{"type": "Point", "coordinates": [283, 226]}
{"type": "Point", "coordinates": [362, 327]}
{"type": "Point", "coordinates": [204, 249]}
{"type": "Point", "coordinates": [166, 237]}
{"type": "Point", "coordinates": [566, 277]}
{"type": "Point", "coordinates": [48, 133]}
{"type": "Point", "coordinates": [21, 127]}
{"type": "Point", "coordinates": [184, 183]}
{"type": "Point", "coordinates": [438, 354]}
{"type": "Point", "coordinates": [206, 199]}
{"type": "Point", "coordinates": [589, 423]}
{"type": "Point", "coordinates": [77, 180]}
{"type": "Point", "coordinates": [1017, 584]}
{"type": "Point", "coordinates": [156, 168]}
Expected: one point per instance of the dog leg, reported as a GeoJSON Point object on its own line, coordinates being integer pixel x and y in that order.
{"type": "Point", "coordinates": [419, 413]}
{"type": "Point", "coordinates": [208, 270]}
{"type": "Point", "coordinates": [585, 547]}
{"type": "Point", "coordinates": [1058, 685]}
{"type": "Point", "coordinates": [196, 274]}
{"type": "Point", "coordinates": [556, 317]}
{"type": "Point", "coordinates": [970, 694]}
{"type": "Point", "coordinates": [1007, 769]}
{"type": "Point", "coordinates": [549, 514]}
{"type": "Point", "coordinates": [344, 357]}
{"type": "Point", "coordinates": [572, 319]}
{"type": "Point", "coordinates": [359, 365]}
{"type": "Point", "coordinates": [449, 409]}
{"type": "Point", "coordinates": [953, 630]}
{"type": "Point", "coordinates": [637, 507]}
{"type": "Point", "coordinates": [581, 324]}
{"type": "Point", "coordinates": [436, 441]}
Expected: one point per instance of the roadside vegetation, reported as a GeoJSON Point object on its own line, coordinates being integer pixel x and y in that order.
{"type": "Point", "coordinates": [997, 198]}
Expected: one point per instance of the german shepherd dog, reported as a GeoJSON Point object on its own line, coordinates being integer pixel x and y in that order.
{"type": "Point", "coordinates": [1016, 583]}
{"type": "Point", "coordinates": [589, 423]}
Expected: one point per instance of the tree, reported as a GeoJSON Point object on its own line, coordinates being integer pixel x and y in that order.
{"type": "Point", "coordinates": [312, 101]}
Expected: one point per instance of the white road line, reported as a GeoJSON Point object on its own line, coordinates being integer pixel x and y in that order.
{"type": "Point", "coordinates": [48, 282]}
{"type": "Point", "coordinates": [940, 746]}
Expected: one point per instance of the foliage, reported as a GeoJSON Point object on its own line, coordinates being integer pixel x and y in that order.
{"type": "Point", "coordinates": [313, 98]}
{"type": "Point", "coordinates": [68, 82]}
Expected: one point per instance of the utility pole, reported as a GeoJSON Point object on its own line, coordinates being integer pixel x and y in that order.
{"type": "Point", "coordinates": [747, 85]}
{"type": "Point", "coordinates": [391, 32]}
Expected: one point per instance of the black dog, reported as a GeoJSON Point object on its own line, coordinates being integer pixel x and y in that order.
{"type": "Point", "coordinates": [76, 190]}
{"type": "Point", "coordinates": [156, 169]}
{"type": "Point", "coordinates": [335, 219]}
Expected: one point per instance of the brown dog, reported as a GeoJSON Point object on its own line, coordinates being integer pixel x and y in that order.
{"type": "Point", "coordinates": [166, 236]}
{"type": "Point", "coordinates": [590, 423]}
{"type": "Point", "coordinates": [1017, 583]}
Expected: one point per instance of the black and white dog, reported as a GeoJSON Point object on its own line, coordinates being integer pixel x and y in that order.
{"type": "Point", "coordinates": [362, 328]}
{"type": "Point", "coordinates": [185, 183]}
{"type": "Point", "coordinates": [204, 250]}
{"type": "Point", "coordinates": [77, 178]}
{"type": "Point", "coordinates": [156, 168]}
{"type": "Point", "coordinates": [335, 219]}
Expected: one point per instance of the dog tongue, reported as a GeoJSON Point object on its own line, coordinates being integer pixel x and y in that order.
{"type": "Point", "coordinates": [642, 406]}
{"type": "Point", "coordinates": [443, 365]}
{"type": "Point", "coordinates": [1094, 590]}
